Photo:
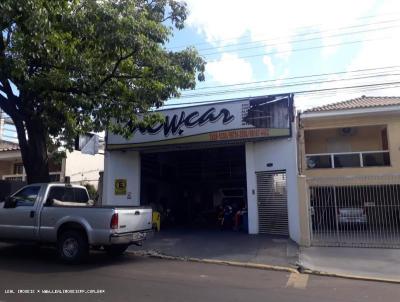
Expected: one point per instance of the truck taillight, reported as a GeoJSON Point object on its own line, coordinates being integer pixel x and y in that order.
{"type": "Point", "coordinates": [114, 221]}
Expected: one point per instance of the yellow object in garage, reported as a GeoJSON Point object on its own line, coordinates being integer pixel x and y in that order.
{"type": "Point", "coordinates": [156, 220]}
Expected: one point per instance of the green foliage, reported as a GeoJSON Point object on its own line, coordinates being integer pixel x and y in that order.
{"type": "Point", "coordinates": [92, 191]}
{"type": "Point", "coordinates": [82, 65]}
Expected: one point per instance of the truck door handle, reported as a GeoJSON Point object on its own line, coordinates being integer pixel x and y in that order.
{"type": "Point", "coordinates": [137, 212]}
{"type": "Point", "coordinates": [32, 214]}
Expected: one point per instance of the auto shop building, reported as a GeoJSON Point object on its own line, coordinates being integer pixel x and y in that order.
{"type": "Point", "coordinates": [240, 153]}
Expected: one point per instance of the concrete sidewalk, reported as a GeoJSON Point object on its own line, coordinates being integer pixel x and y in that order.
{"type": "Point", "coordinates": [223, 245]}
{"type": "Point", "coordinates": [363, 262]}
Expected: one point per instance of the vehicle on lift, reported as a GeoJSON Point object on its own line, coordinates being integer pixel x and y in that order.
{"type": "Point", "coordinates": [64, 215]}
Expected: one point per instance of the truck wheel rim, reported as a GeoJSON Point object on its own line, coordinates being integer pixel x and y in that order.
{"type": "Point", "coordinates": [70, 247]}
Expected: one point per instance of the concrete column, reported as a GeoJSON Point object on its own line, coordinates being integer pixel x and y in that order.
{"type": "Point", "coordinates": [304, 213]}
{"type": "Point", "coordinates": [252, 205]}
{"type": "Point", "coordinates": [121, 165]}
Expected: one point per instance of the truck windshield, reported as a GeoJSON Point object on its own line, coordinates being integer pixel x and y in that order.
{"type": "Point", "coordinates": [66, 194]}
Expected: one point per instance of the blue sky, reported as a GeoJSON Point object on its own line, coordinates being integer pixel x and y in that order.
{"type": "Point", "coordinates": [351, 42]}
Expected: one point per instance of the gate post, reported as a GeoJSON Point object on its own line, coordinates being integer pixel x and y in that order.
{"type": "Point", "coordinates": [304, 211]}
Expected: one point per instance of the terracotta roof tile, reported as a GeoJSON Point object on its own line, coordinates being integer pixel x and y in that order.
{"type": "Point", "coordinates": [359, 103]}
{"type": "Point", "coordinates": [8, 146]}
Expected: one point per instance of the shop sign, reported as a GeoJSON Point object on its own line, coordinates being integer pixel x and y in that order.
{"type": "Point", "coordinates": [120, 187]}
{"type": "Point", "coordinates": [245, 119]}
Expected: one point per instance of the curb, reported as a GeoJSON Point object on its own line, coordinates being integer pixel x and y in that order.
{"type": "Point", "coordinates": [348, 276]}
{"type": "Point", "coordinates": [298, 270]}
{"type": "Point", "coordinates": [219, 262]}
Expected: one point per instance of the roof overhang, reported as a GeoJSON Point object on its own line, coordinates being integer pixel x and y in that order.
{"type": "Point", "coordinates": [351, 112]}
{"type": "Point", "coordinates": [10, 154]}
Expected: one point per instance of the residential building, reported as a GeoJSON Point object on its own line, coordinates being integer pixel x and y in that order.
{"type": "Point", "coordinates": [80, 168]}
{"type": "Point", "coordinates": [349, 166]}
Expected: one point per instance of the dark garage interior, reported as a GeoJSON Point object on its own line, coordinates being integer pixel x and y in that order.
{"type": "Point", "coordinates": [202, 188]}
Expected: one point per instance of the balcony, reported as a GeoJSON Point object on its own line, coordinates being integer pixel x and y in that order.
{"type": "Point", "coordinates": [346, 147]}
{"type": "Point", "coordinates": [348, 160]}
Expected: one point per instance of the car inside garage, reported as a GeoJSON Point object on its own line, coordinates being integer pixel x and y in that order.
{"type": "Point", "coordinates": [198, 188]}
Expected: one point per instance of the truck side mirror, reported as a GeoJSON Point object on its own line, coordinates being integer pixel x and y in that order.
{"type": "Point", "coordinates": [10, 202]}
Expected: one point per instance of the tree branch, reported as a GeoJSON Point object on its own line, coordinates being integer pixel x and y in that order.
{"type": "Point", "coordinates": [8, 40]}
{"type": "Point", "coordinates": [112, 74]}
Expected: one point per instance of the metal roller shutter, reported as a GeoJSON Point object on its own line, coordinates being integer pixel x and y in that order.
{"type": "Point", "coordinates": [272, 202]}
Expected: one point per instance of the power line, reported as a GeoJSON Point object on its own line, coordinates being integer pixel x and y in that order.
{"type": "Point", "coordinates": [287, 85]}
{"type": "Point", "coordinates": [300, 77]}
{"type": "Point", "coordinates": [303, 27]}
{"type": "Point", "coordinates": [310, 91]}
{"type": "Point", "coordinates": [308, 48]}
{"type": "Point", "coordinates": [293, 41]}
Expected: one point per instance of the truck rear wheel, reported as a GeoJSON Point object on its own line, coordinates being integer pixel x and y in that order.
{"type": "Point", "coordinates": [116, 250]}
{"type": "Point", "coordinates": [73, 246]}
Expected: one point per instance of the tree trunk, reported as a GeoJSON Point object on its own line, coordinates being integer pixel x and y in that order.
{"type": "Point", "coordinates": [33, 151]}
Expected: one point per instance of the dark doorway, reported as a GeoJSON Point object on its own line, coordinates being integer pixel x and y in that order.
{"type": "Point", "coordinates": [202, 188]}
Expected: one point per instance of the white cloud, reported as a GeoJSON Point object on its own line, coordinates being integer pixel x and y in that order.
{"type": "Point", "coordinates": [225, 21]}
{"type": "Point", "coordinates": [376, 54]}
{"type": "Point", "coordinates": [275, 25]}
{"type": "Point", "coordinates": [270, 66]}
{"type": "Point", "coordinates": [230, 69]}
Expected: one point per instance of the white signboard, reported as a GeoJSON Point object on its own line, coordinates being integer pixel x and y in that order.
{"type": "Point", "coordinates": [247, 119]}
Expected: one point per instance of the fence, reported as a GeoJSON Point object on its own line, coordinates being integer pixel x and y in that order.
{"type": "Point", "coordinates": [8, 187]}
{"type": "Point", "coordinates": [358, 211]}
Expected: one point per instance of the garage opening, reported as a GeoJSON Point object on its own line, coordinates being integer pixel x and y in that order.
{"type": "Point", "coordinates": [359, 211]}
{"type": "Point", "coordinates": [202, 188]}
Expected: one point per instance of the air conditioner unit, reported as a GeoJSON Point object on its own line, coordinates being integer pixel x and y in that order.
{"type": "Point", "coordinates": [347, 131]}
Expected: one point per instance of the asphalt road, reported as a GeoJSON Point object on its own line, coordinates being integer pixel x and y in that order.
{"type": "Point", "coordinates": [144, 279]}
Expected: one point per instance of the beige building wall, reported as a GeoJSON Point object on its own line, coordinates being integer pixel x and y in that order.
{"type": "Point", "coordinates": [84, 168]}
{"type": "Point", "coordinates": [6, 167]}
{"type": "Point", "coordinates": [391, 121]}
{"type": "Point", "coordinates": [364, 139]}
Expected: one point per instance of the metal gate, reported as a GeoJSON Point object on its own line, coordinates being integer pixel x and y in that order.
{"type": "Point", "coordinates": [355, 211]}
{"type": "Point", "coordinates": [272, 202]}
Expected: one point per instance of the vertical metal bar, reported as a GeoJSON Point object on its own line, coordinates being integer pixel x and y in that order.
{"type": "Point", "coordinates": [320, 214]}
{"type": "Point", "coordinates": [388, 216]}
{"type": "Point", "coordinates": [357, 201]}
{"type": "Point", "coordinates": [397, 202]}
{"type": "Point", "coordinates": [347, 200]}
{"type": "Point", "coordinates": [310, 214]}
{"type": "Point", "coordinates": [379, 222]}
{"type": "Point", "coordinates": [376, 213]}
{"type": "Point", "coordinates": [336, 214]}
{"type": "Point", "coordinates": [328, 208]}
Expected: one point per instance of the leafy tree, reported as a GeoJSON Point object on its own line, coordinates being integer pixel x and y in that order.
{"type": "Point", "coordinates": [72, 66]}
{"type": "Point", "coordinates": [91, 190]}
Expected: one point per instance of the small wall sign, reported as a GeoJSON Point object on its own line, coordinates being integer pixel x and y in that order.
{"type": "Point", "coordinates": [120, 187]}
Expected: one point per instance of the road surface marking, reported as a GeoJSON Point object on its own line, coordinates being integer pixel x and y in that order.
{"type": "Point", "coordinates": [298, 281]}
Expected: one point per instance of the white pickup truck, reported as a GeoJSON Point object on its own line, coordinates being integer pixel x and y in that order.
{"type": "Point", "coordinates": [63, 214]}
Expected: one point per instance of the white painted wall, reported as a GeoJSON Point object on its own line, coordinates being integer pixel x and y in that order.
{"type": "Point", "coordinates": [121, 165]}
{"type": "Point", "coordinates": [282, 154]}
{"type": "Point", "coordinates": [84, 168]}
{"type": "Point", "coordinates": [252, 207]}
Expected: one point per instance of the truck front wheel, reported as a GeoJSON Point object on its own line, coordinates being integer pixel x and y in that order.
{"type": "Point", "coordinates": [116, 250]}
{"type": "Point", "coordinates": [73, 246]}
